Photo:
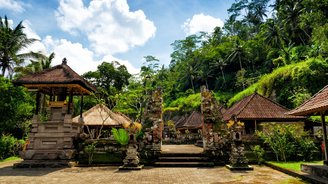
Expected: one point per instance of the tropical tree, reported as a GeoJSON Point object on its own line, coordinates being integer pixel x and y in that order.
{"type": "Point", "coordinates": [16, 107]}
{"type": "Point", "coordinates": [110, 79]}
{"type": "Point", "coordinates": [12, 42]}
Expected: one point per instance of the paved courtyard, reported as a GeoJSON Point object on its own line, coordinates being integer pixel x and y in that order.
{"type": "Point", "coordinates": [94, 175]}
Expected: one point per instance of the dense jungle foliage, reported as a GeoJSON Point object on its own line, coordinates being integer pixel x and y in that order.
{"type": "Point", "coordinates": [277, 48]}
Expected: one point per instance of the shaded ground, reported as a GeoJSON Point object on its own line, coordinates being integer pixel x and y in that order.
{"type": "Point", "coordinates": [88, 175]}
{"type": "Point", "coordinates": [185, 148]}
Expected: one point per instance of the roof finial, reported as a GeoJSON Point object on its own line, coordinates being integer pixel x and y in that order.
{"type": "Point", "coordinates": [64, 62]}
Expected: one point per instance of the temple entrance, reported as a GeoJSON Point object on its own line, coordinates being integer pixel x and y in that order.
{"type": "Point", "coordinates": [195, 139]}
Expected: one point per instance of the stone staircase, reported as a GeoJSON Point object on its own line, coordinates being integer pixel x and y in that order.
{"type": "Point", "coordinates": [183, 160]}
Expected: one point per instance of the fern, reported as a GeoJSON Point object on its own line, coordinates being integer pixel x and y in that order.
{"type": "Point", "coordinates": [121, 136]}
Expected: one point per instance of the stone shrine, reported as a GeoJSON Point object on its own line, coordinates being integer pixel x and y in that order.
{"type": "Point", "coordinates": [51, 140]}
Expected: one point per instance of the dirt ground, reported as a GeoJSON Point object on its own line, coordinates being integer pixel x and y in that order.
{"type": "Point", "coordinates": [151, 175]}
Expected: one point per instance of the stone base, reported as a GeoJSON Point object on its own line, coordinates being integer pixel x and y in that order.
{"type": "Point", "coordinates": [48, 154]}
{"type": "Point", "coordinates": [44, 164]}
{"type": "Point", "coordinates": [242, 168]}
{"type": "Point", "coordinates": [131, 167]}
{"type": "Point", "coordinates": [316, 170]}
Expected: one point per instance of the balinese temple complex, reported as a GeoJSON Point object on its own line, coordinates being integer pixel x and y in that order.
{"type": "Point", "coordinates": [53, 131]}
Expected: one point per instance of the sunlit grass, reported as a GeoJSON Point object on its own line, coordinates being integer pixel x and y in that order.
{"type": "Point", "coordinates": [13, 158]}
{"type": "Point", "coordinates": [294, 166]}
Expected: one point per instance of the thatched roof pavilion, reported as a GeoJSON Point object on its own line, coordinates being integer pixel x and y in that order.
{"type": "Point", "coordinates": [50, 80]}
{"type": "Point", "coordinates": [101, 115]}
{"type": "Point", "coordinates": [317, 105]}
{"type": "Point", "coordinates": [58, 82]}
{"type": "Point", "coordinates": [257, 108]}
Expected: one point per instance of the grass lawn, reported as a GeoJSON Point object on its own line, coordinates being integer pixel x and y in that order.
{"type": "Point", "coordinates": [10, 159]}
{"type": "Point", "coordinates": [295, 166]}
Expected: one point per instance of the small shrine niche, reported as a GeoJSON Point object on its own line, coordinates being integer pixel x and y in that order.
{"type": "Point", "coordinates": [238, 160]}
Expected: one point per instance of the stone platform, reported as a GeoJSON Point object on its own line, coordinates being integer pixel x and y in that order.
{"type": "Point", "coordinates": [44, 164]}
{"type": "Point", "coordinates": [316, 170]}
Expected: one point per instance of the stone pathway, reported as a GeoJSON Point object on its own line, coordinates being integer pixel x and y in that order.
{"type": "Point", "coordinates": [101, 175]}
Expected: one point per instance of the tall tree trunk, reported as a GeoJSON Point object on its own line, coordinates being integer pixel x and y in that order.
{"type": "Point", "coordinates": [192, 84]}
{"type": "Point", "coordinates": [223, 74]}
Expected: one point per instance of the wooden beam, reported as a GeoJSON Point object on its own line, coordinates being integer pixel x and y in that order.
{"type": "Point", "coordinates": [76, 87]}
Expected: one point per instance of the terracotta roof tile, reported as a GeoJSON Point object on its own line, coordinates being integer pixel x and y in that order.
{"type": "Point", "coordinates": [180, 122]}
{"type": "Point", "coordinates": [317, 103]}
{"type": "Point", "coordinates": [193, 121]}
{"type": "Point", "coordinates": [258, 107]}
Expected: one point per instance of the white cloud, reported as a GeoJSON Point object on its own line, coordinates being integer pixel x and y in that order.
{"type": "Point", "coordinates": [109, 25]}
{"type": "Point", "coordinates": [16, 6]}
{"type": "Point", "coordinates": [201, 22]}
{"type": "Point", "coordinates": [80, 59]}
{"type": "Point", "coordinates": [37, 46]}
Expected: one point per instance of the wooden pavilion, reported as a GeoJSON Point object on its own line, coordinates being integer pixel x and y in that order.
{"type": "Point", "coordinates": [52, 135]}
{"type": "Point", "coordinates": [317, 105]}
{"type": "Point", "coordinates": [100, 118]}
{"type": "Point", "coordinates": [256, 109]}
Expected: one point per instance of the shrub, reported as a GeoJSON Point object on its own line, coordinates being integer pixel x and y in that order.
{"type": "Point", "coordinates": [121, 136]}
{"type": "Point", "coordinates": [90, 150]}
{"type": "Point", "coordinates": [287, 141]}
{"type": "Point", "coordinates": [259, 152]}
{"type": "Point", "coordinates": [305, 148]}
{"type": "Point", "coordinates": [9, 146]}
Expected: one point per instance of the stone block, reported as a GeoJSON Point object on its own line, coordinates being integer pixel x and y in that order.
{"type": "Point", "coordinates": [28, 154]}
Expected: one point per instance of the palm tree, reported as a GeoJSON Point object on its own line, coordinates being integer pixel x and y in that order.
{"type": "Point", "coordinates": [220, 63]}
{"type": "Point", "coordinates": [43, 62]}
{"type": "Point", "coordinates": [12, 41]}
{"type": "Point", "coordinates": [237, 53]}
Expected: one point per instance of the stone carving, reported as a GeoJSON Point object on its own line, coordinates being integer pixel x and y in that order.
{"type": "Point", "coordinates": [150, 146]}
{"type": "Point", "coordinates": [211, 116]}
{"type": "Point", "coordinates": [131, 161]}
{"type": "Point", "coordinates": [153, 115]}
{"type": "Point", "coordinates": [215, 134]}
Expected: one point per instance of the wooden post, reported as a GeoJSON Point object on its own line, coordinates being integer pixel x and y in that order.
{"type": "Point", "coordinates": [81, 106]}
{"type": "Point", "coordinates": [37, 98]}
{"type": "Point", "coordinates": [324, 131]}
{"type": "Point", "coordinates": [70, 100]}
{"type": "Point", "coordinates": [255, 126]}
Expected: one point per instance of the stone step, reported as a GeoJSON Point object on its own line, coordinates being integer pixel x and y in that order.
{"type": "Point", "coordinates": [182, 159]}
{"type": "Point", "coordinates": [183, 164]}
{"type": "Point", "coordinates": [169, 154]}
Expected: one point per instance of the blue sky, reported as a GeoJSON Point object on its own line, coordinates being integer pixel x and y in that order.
{"type": "Point", "coordinates": [89, 32]}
